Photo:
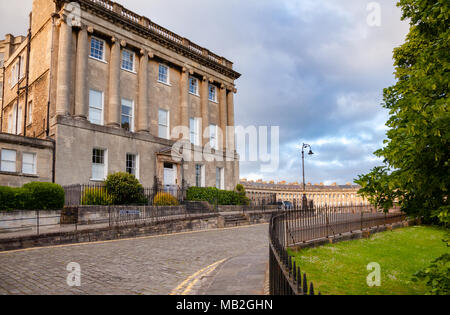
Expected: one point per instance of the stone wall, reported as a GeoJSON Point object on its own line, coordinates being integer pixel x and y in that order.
{"type": "Point", "coordinates": [16, 221]}
{"type": "Point", "coordinates": [44, 156]}
{"type": "Point", "coordinates": [163, 227]}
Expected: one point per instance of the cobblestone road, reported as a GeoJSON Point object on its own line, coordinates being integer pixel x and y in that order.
{"type": "Point", "coordinates": [154, 265]}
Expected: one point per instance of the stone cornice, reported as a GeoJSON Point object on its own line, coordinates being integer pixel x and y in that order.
{"type": "Point", "coordinates": [185, 48]}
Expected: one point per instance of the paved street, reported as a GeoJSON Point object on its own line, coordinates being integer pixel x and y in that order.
{"type": "Point", "coordinates": [154, 265]}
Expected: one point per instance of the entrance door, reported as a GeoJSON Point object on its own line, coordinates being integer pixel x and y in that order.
{"type": "Point", "coordinates": [170, 177]}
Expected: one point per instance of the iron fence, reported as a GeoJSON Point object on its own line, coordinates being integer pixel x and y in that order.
{"type": "Point", "coordinates": [293, 227]}
{"type": "Point", "coordinates": [20, 223]}
{"type": "Point", "coordinates": [97, 195]}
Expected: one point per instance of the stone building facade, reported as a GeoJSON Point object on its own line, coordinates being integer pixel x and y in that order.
{"type": "Point", "coordinates": [112, 89]}
{"type": "Point", "coordinates": [24, 160]}
{"type": "Point", "coordinates": [260, 192]}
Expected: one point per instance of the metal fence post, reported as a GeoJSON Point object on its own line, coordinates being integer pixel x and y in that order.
{"type": "Point", "coordinates": [37, 222]}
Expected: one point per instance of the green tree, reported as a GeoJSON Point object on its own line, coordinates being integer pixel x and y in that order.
{"type": "Point", "coordinates": [416, 153]}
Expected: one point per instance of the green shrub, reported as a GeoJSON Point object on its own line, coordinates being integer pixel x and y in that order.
{"type": "Point", "coordinates": [96, 197]}
{"type": "Point", "coordinates": [216, 196]}
{"type": "Point", "coordinates": [32, 196]}
{"type": "Point", "coordinates": [7, 198]}
{"type": "Point", "coordinates": [124, 189]}
{"type": "Point", "coordinates": [437, 276]}
{"type": "Point", "coordinates": [44, 196]}
{"type": "Point", "coordinates": [165, 199]}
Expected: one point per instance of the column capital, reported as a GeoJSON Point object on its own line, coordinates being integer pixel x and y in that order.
{"type": "Point", "coordinates": [123, 43]}
{"type": "Point", "coordinates": [205, 78]}
{"type": "Point", "coordinates": [90, 29]}
{"type": "Point", "coordinates": [144, 53]}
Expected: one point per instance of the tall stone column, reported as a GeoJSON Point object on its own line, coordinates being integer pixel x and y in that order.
{"type": "Point", "coordinates": [64, 68]}
{"type": "Point", "coordinates": [204, 103]}
{"type": "Point", "coordinates": [143, 109]}
{"type": "Point", "coordinates": [223, 114]}
{"type": "Point", "coordinates": [114, 109]}
{"type": "Point", "coordinates": [184, 119]}
{"type": "Point", "coordinates": [81, 99]}
{"type": "Point", "coordinates": [230, 115]}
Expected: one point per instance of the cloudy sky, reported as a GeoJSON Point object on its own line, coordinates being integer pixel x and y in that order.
{"type": "Point", "coordinates": [315, 68]}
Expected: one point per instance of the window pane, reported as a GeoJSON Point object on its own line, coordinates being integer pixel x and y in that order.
{"type": "Point", "coordinates": [97, 48]}
{"type": "Point", "coordinates": [128, 60]}
{"type": "Point", "coordinates": [162, 132]}
{"type": "Point", "coordinates": [163, 117]}
{"type": "Point", "coordinates": [8, 162]}
{"type": "Point", "coordinates": [95, 99]}
{"type": "Point", "coordinates": [29, 163]}
{"type": "Point", "coordinates": [163, 74]}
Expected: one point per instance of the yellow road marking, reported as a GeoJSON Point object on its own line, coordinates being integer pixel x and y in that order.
{"type": "Point", "coordinates": [189, 283]}
{"type": "Point", "coordinates": [128, 239]}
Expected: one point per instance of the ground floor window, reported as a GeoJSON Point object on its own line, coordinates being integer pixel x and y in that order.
{"type": "Point", "coordinates": [29, 163]}
{"type": "Point", "coordinates": [132, 164]}
{"type": "Point", "coordinates": [220, 180]}
{"type": "Point", "coordinates": [98, 164]}
{"type": "Point", "coordinates": [8, 161]}
{"type": "Point", "coordinates": [200, 175]}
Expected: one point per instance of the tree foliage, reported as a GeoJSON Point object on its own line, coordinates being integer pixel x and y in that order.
{"type": "Point", "coordinates": [416, 153]}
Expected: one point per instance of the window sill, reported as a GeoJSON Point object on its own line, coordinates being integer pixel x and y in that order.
{"type": "Point", "coordinates": [165, 83]}
{"type": "Point", "coordinates": [212, 101]}
{"type": "Point", "coordinates": [97, 180]}
{"type": "Point", "coordinates": [194, 94]}
{"type": "Point", "coordinates": [127, 70]}
{"type": "Point", "coordinates": [100, 60]}
{"type": "Point", "coordinates": [19, 174]}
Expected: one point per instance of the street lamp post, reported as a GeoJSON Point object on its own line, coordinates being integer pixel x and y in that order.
{"type": "Point", "coordinates": [304, 199]}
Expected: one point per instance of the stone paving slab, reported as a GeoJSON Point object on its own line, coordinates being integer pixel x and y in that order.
{"type": "Point", "coordinates": [153, 265]}
{"type": "Point", "coordinates": [242, 275]}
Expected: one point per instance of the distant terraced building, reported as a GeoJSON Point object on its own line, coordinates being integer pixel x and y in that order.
{"type": "Point", "coordinates": [261, 192]}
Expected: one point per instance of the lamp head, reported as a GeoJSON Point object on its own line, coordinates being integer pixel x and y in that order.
{"type": "Point", "coordinates": [310, 152]}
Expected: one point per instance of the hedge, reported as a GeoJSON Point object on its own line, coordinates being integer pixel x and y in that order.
{"type": "Point", "coordinates": [217, 196]}
{"type": "Point", "coordinates": [32, 196]}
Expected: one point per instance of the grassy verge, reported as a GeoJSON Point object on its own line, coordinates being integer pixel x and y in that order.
{"type": "Point", "coordinates": [341, 269]}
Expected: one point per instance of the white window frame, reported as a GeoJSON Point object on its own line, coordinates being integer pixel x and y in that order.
{"type": "Point", "coordinates": [215, 93]}
{"type": "Point", "coordinates": [221, 172]}
{"type": "Point", "coordinates": [30, 113]}
{"type": "Point", "coordinates": [2, 59]}
{"type": "Point", "coordinates": [194, 131]}
{"type": "Point", "coordinates": [105, 164]}
{"type": "Point", "coordinates": [2, 86]}
{"type": "Point", "coordinates": [10, 123]}
{"type": "Point", "coordinates": [33, 165]}
{"type": "Point", "coordinates": [167, 82]}
{"type": "Point", "coordinates": [136, 161]}
{"type": "Point", "coordinates": [213, 137]}
{"type": "Point", "coordinates": [103, 59]}
{"type": "Point", "coordinates": [132, 113]}
{"type": "Point", "coordinates": [3, 161]}
{"type": "Point", "coordinates": [196, 86]}
{"type": "Point", "coordinates": [102, 116]}
{"type": "Point", "coordinates": [133, 62]}
{"type": "Point", "coordinates": [202, 175]}
{"type": "Point", "coordinates": [167, 126]}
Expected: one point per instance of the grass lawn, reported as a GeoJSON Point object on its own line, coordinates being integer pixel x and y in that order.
{"type": "Point", "coordinates": [341, 269]}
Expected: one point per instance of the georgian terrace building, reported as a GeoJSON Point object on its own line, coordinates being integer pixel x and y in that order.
{"type": "Point", "coordinates": [108, 86]}
{"type": "Point", "coordinates": [260, 192]}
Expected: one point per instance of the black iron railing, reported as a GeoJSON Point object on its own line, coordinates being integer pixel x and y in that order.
{"type": "Point", "coordinates": [97, 195]}
{"type": "Point", "coordinates": [294, 227]}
